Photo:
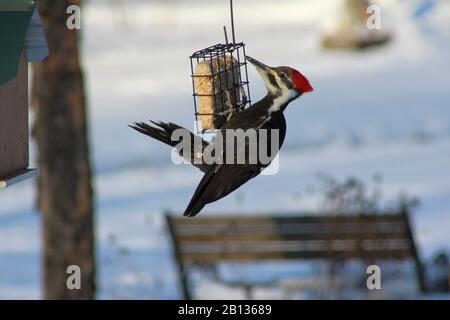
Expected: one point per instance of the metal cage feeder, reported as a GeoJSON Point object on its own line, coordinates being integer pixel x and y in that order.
{"type": "Point", "coordinates": [220, 83]}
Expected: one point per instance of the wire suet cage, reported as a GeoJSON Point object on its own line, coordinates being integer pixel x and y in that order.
{"type": "Point", "coordinates": [219, 82]}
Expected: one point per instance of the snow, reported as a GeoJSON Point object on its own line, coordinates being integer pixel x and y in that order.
{"type": "Point", "coordinates": [380, 111]}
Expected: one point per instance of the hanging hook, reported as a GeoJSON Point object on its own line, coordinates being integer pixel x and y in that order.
{"type": "Point", "coordinates": [232, 22]}
{"type": "Point", "coordinates": [226, 35]}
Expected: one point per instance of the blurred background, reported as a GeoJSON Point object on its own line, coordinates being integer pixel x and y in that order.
{"type": "Point", "coordinates": [379, 116]}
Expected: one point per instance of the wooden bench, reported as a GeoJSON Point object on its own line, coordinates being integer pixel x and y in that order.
{"type": "Point", "coordinates": [209, 239]}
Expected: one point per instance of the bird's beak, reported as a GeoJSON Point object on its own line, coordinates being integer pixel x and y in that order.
{"type": "Point", "coordinates": [259, 65]}
{"type": "Point", "coordinates": [264, 71]}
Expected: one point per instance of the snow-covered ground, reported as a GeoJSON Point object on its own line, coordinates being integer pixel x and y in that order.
{"type": "Point", "coordinates": [385, 111]}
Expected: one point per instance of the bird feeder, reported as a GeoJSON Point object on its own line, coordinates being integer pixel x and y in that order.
{"type": "Point", "coordinates": [352, 31]}
{"type": "Point", "coordinates": [22, 39]}
{"type": "Point", "coordinates": [219, 82]}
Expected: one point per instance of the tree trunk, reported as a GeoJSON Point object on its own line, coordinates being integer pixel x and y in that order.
{"type": "Point", "coordinates": [65, 196]}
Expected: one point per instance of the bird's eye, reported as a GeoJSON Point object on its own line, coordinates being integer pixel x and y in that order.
{"type": "Point", "coordinates": [283, 75]}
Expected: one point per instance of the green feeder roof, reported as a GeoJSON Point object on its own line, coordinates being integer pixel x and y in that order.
{"type": "Point", "coordinates": [15, 16]}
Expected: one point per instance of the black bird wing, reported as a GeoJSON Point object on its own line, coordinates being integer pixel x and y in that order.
{"type": "Point", "coordinates": [162, 131]}
{"type": "Point", "coordinates": [219, 181]}
{"type": "Point", "coordinates": [222, 179]}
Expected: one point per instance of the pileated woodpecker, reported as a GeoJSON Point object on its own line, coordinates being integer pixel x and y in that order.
{"type": "Point", "coordinates": [284, 84]}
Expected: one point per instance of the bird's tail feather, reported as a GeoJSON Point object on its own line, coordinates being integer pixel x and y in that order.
{"type": "Point", "coordinates": [163, 132]}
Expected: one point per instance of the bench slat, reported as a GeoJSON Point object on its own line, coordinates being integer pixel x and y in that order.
{"type": "Point", "coordinates": [214, 238]}
{"type": "Point", "coordinates": [255, 219]}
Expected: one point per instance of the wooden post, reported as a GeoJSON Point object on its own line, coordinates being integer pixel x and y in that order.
{"type": "Point", "coordinates": [419, 266]}
{"type": "Point", "coordinates": [181, 270]}
{"type": "Point", "coordinates": [14, 123]}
